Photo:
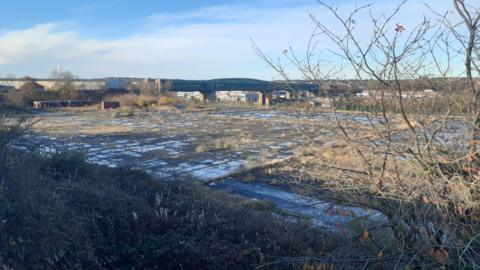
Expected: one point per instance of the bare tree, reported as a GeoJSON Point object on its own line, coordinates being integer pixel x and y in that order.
{"type": "Point", "coordinates": [408, 158]}
{"type": "Point", "coordinates": [64, 83]}
{"type": "Point", "coordinates": [64, 80]}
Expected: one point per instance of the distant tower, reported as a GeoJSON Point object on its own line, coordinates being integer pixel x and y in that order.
{"type": "Point", "coordinates": [59, 70]}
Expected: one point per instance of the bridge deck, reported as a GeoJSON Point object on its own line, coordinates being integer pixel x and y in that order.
{"type": "Point", "coordinates": [235, 84]}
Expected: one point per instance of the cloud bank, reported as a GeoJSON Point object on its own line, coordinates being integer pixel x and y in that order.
{"type": "Point", "coordinates": [212, 42]}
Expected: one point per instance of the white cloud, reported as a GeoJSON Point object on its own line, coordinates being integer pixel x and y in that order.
{"type": "Point", "coordinates": [207, 43]}
{"type": "Point", "coordinates": [223, 12]}
{"type": "Point", "coordinates": [16, 46]}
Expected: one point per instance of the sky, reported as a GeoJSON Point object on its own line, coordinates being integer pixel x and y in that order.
{"type": "Point", "coordinates": [186, 39]}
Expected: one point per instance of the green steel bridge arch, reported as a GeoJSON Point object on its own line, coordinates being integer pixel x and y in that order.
{"type": "Point", "coordinates": [234, 84]}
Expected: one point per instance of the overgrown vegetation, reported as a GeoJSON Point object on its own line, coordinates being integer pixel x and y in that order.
{"type": "Point", "coordinates": [57, 211]}
{"type": "Point", "coordinates": [415, 159]}
{"type": "Point", "coordinates": [23, 98]}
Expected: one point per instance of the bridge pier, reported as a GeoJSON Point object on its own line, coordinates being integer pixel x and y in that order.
{"type": "Point", "coordinates": [208, 96]}
{"type": "Point", "coordinates": [264, 98]}
{"type": "Point", "coordinates": [291, 95]}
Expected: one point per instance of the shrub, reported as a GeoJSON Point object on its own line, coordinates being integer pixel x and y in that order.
{"type": "Point", "coordinates": [166, 101]}
{"type": "Point", "coordinates": [25, 97]}
{"type": "Point", "coordinates": [63, 213]}
{"type": "Point", "coordinates": [132, 100]}
{"type": "Point", "coordinates": [399, 159]}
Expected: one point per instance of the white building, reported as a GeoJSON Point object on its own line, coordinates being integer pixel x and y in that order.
{"type": "Point", "coordinates": [232, 96]}
{"type": "Point", "coordinates": [189, 95]}
{"type": "Point", "coordinates": [377, 94]}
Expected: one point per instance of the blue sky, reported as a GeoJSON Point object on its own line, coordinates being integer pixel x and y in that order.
{"type": "Point", "coordinates": [189, 39]}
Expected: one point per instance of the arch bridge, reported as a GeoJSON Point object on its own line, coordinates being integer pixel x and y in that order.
{"type": "Point", "coordinates": [208, 88]}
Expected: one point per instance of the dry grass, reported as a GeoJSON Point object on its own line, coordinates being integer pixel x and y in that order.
{"type": "Point", "coordinates": [233, 142]}
{"type": "Point", "coordinates": [132, 100]}
{"type": "Point", "coordinates": [201, 148]}
{"type": "Point", "coordinates": [92, 130]}
{"type": "Point", "coordinates": [63, 214]}
{"type": "Point", "coordinates": [167, 101]}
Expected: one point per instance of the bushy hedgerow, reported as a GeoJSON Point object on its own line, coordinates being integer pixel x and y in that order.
{"type": "Point", "coordinates": [61, 212]}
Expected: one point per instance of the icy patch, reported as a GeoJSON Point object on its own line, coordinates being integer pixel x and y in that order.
{"type": "Point", "coordinates": [214, 172]}
{"type": "Point", "coordinates": [98, 161]}
{"type": "Point", "coordinates": [322, 213]}
{"type": "Point", "coordinates": [189, 168]}
{"type": "Point", "coordinates": [131, 154]}
{"type": "Point", "coordinates": [47, 149]}
{"type": "Point", "coordinates": [146, 148]}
